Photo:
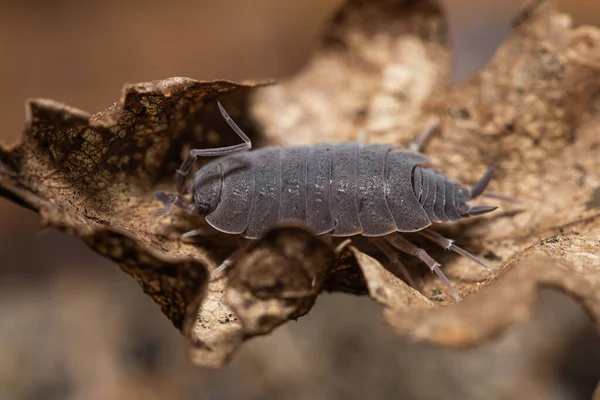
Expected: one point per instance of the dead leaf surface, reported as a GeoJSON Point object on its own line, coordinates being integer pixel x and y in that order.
{"type": "Point", "coordinates": [278, 279]}
{"type": "Point", "coordinates": [533, 110]}
{"type": "Point", "coordinates": [94, 175]}
{"type": "Point", "coordinates": [379, 74]}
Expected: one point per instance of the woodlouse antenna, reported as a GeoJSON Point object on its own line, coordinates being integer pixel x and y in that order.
{"type": "Point", "coordinates": [169, 200]}
{"type": "Point", "coordinates": [178, 200]}
{"type": "Point", "coordinates": [193, 155]}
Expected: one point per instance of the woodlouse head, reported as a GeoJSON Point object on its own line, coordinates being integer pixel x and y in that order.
{"type": "Point", "coordinates": [206, 189]}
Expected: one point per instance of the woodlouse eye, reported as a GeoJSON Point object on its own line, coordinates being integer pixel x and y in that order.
{"type": "Point", "coordinates": [202, 208]}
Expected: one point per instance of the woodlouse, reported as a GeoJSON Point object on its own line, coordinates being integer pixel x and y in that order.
{"type": "Point", "coordinates": [340, 189]}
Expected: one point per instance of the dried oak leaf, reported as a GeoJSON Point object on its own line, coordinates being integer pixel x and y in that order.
{"type": "Point", "coordinates": [534, 110]}
{"type": "Point", "coordinates": [380, 73]}
{"type": "Point", "coordinates": [94, 176]}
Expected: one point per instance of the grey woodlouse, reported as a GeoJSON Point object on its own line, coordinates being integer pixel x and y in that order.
{"type": "Point", "coordinates": [343, 189]}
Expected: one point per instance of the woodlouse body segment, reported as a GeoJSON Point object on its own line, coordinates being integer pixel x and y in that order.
{"type": "Point", "coordinates": [344, 209]}
{"type": "Point", "coordinates": [264, 210]}
{"type": "Point", "coordinates": [403, 187]}
{"type": "Point", "coordinates": [207, 189]}
{"type": "Point", "coordinates": [341, 189]}
{"type": "Point", "coordinates": [293, 183]}
{"type": "Point", "coordinates": [318, 188]}
{"type": "Point", "coordinates": [374, 215]}
{"type": "Point", "coordinates": [237, 188]}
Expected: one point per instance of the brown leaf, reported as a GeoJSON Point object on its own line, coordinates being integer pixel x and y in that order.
{"type": "Point", "coordinates": [278, 278]}
{"type": "Point", "coordinates": [379, 74]}
{"type": "Point", "coordinates": [379, 61]}
{"type": "Point", "coordinates": [386, 288]}
{"type": "Point", "coordinates": [93, 176]}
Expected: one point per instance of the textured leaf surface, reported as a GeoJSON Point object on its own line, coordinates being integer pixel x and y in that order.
{"type": "Point", "coordinates": [380, 74]}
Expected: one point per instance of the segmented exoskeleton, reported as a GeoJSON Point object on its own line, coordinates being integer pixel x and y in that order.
{"type": "Point", "coordinates": [342, 189]}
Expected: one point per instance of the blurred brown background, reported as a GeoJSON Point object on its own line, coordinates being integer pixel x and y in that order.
{"type": "Point", "coordinates": [73, 326]}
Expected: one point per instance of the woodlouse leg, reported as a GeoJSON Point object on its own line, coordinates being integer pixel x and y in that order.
{"type": "Point", "coordinates": [199, 232]}
{"type": "Point", "coordinates": [394, 258]}
{"type": "Point", "coordinates": [228, 261]}
{"type": "Point", "coordinates": [448, 244]}
{"type": "Point", "coordinates": [363, 137]}
{"type": "Point", "coordinates": [242, 246]}
{"type": "Point", "coordinates": [407, 247]}
{"type": "Point", "coordinates": [423, 137]}
{"type": "Point", "coordinates": [224, 265]}
{"type": "Point", "coordinates": [7, 171]}
{"type": "Point", "coordinates": [185, 167]}
{"type": "Point", "coordinates": [340, 247]}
